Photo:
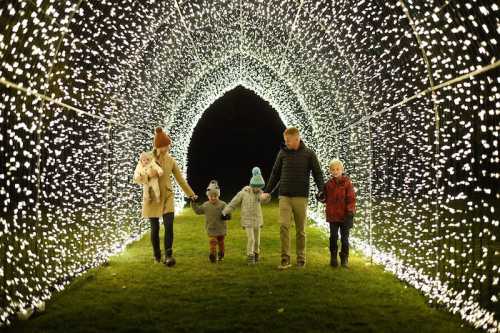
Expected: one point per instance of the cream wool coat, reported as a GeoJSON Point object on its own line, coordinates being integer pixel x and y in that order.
{"type": "Point", "coordinates": [166, 204]}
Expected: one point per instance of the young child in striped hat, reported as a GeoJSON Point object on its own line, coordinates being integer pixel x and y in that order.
{"type": "Point", "coordinates": [250, 198]}
{"type": "Point", "coordinates": [215, 224]}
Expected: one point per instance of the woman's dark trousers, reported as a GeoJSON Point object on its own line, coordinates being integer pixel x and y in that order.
{"type": "Point", "coordinates": [168, 223]}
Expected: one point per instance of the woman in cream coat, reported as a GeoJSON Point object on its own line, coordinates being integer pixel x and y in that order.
{"type": "Point", "coordinates": [165, 207]}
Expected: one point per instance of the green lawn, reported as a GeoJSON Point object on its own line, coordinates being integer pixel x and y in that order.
{"type": "Point", "coordinates": [133, 294]}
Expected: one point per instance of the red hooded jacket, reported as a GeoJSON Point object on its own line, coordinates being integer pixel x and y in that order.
{"type": "Point", "coordinates": [340, 199]}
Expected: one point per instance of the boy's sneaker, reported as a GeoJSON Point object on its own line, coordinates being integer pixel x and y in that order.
{"type": "Point", "coordinates": [250, 259]}
{"type": "Point", "coordinates": [220, 256]}
{"type": "Point", "coordinates": [285, 264]}
{"type": "Point", "coordinates": [212, 258]}
{"type": "Point", "coordinates": [301, 264]}
{"type": "Point", "coordinates": [256, 255]}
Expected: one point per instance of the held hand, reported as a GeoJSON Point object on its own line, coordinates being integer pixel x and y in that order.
{"type": "Point", "coordinates": [265, 196]}
{"type": "Point", "coordinates": [321, 197]}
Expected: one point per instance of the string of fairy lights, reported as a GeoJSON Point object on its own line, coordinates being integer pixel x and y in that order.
{"type": "Point", "coordinates": [405, 92]}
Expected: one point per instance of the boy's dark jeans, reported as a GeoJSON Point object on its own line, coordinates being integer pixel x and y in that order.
{"type": "Point", "coordinates": [168, 223]}
{"type": "Point", "coordinates": [344, 238]}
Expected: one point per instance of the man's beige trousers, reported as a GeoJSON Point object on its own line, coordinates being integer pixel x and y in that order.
{"type": "Point", "coordinates": [296, 207]}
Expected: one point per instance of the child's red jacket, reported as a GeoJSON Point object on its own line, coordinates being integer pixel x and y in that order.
{"type": "Point", "coordinates": [340, 199]}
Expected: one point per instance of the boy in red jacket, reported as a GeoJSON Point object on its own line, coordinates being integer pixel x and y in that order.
{"type": "Point", "coordinates": [340, 202]}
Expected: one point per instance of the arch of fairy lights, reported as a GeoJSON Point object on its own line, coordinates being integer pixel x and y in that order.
{"type": "Point", "coordinates": [406, 93]}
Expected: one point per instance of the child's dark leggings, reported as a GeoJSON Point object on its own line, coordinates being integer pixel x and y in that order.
{"type": "Point", "coordinates": [214, 240]}
{"type": "Point", "coordinates": [168, 223]}
{"type": "Point", "coordinates": [344, 238]}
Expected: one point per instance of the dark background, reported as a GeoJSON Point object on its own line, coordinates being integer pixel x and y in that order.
{"type": "Point", "coordinates": [238, 131]}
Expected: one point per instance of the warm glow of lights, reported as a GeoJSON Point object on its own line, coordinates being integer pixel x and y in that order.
{"type": "Point", "coordinates": [405, 93]}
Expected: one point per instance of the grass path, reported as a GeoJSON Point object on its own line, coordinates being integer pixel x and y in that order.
{"type": "Point", "coordinates": [133, 294]}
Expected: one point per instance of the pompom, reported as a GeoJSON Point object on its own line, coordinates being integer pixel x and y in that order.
{"type": "Point", "coordinates": [161, 138]}
{"type": "Point", "coordinates": [256, 171]}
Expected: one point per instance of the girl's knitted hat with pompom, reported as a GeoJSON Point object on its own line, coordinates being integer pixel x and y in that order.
{"type": "Point", "coordinates": [257, 180]}
{"type": "Point", "coordinates": [161, 138]}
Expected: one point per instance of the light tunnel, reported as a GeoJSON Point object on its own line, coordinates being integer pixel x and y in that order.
{"type": "Point", "coordinates": [404, 92]}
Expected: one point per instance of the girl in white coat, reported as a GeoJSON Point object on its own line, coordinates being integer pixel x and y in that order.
{"type": "Point", "coordinates": [250, 198]}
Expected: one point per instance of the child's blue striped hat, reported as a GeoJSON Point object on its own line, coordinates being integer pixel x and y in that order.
{"type": "Point", "coordinates": [257, 180]}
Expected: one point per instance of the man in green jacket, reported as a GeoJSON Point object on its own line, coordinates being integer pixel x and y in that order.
{"type": "Point", "coordinates": [292, 169]}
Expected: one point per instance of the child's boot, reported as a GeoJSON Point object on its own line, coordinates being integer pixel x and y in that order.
{"type": "Point", "coordinates": [256, 256]}
{"type": "Point", "coordinates": [212, 258]}
{"type": "Point", "coordinates": [251, 259]}
{"type": "Point", "coordinates": [333, 259]}
{"type": "Point", "coordinates": [344, 259]}
{"type": "Point", "coordinates": [220, 256]}
{"type": "Point", "coordinates": [285, 264]}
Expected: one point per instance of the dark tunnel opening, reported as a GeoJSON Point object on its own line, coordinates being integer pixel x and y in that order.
{"type": "Point", "coordinates": [238, 131]}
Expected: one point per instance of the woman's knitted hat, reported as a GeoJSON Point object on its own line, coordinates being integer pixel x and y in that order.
{"type": "Point", "coordinates": [257, 180]}
{"type": "Point", "coordinates": [161, 138]}
{"type": "Point", "coordinates": [213, 188]}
